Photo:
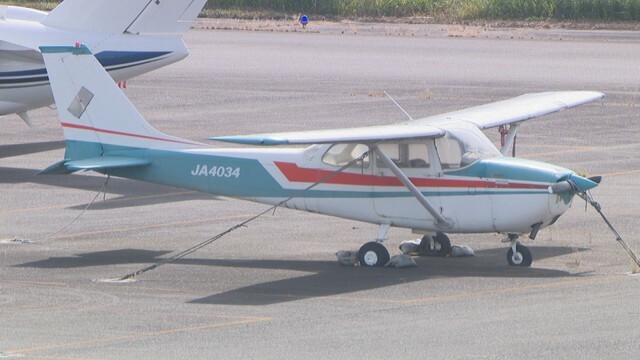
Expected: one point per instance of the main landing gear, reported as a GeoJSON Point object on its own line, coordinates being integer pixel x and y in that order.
{"type": "Point", "coordinates": [518, 255]}
{"type": "Point", "coordinates": [373, 254]}
{"type": "Point", "coordinates": [438, 245]}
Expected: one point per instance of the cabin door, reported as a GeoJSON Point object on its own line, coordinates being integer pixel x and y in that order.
{"type": "Point", "coordinates": [392, 199]}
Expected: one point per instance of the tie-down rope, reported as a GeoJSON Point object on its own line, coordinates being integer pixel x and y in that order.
{"type": "Point", "coordinates": [30, 240]}
{"type": "Point", "coordinates": [589, 199]}
{"type": "Point", "coordinates": [242, 224]}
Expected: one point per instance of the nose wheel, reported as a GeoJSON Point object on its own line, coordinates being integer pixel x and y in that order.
{"type": "Point", "coordinates": [373, 254]}
{"type": "Point", "coordinates": [518, 255]}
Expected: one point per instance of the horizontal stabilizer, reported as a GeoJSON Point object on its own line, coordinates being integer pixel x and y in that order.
{"type": "Point", "coordinates": [55, 169]}
{"type": "Point", "coordinates": [371, 134]}
{"type": "Point", "coordinates": [162, 17]}
{"type": "Point", "coordinates": [131, 16]}
{"type": "Point", "coordinates": [8, 12]}
{"type": "Point", "coordinates": [96, 164]}
{"type": "Point", "coordinates": [96, 15]}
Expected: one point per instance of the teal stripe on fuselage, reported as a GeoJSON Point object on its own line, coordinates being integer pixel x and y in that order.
{"type": "Point", "coordinates": [240, 178]}
{"type": "Point", "coordinates": [177, 168]}
{"type": "Point", "coordinates": [513, 169]}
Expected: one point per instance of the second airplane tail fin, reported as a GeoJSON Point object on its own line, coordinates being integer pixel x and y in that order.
{"type": "Point", "coordinates": [126, 16]}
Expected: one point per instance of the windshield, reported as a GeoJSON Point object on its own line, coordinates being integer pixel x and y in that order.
{"type": "Point", "coordinates": [463, 145]}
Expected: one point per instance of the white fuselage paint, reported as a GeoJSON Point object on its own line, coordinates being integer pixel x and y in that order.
{"type": "Point", "coordinates": [471, 210]}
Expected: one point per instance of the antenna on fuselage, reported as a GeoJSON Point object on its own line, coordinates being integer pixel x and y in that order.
{"type": "Point", "coordinates": [398, 105]}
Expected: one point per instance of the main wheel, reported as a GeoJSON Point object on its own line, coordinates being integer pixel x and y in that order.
{"type": "Point", "coordinates": [373, 254]}
{"type": "Point", "coordinates": [441, 245]}
{"type": "Point", "coordinates": [522, 256]}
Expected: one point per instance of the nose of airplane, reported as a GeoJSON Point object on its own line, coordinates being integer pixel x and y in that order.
{"type": "Point", "coordinates": [575, 183]}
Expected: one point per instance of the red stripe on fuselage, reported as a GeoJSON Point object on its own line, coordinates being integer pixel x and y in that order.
{"type": "Point", "coordinates": [82, 127]}
{"type": "Point", "coordinates": [294, 173]}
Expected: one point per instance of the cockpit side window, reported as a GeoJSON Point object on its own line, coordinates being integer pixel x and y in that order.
{"type": "Point", "coordinates": [406, 156]}
{"type": "Point", "coordinates": [342, 154]}
{"type": "Point", "coordinates": [463, 145]}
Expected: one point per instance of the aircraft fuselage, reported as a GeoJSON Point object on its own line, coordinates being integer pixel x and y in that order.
{"type": "Point", "coordinates": [505, 195]}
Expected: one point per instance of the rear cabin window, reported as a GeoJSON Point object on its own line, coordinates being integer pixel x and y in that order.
{"type": "Point", "coordinates": [405, 156]}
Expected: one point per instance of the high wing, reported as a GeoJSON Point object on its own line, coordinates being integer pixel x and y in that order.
{"type": "Point", "coordinates": [361, 135]}
{"type": "Point", "coordinates": [518, 109]}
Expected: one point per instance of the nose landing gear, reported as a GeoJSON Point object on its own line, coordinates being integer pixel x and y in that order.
{"type": "Point", "coordinates": [518, 255]}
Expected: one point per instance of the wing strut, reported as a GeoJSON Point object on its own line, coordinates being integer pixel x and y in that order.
{"type": "Point", "coordinates": [441, 221]}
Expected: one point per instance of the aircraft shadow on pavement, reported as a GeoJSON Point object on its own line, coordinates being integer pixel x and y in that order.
{"type": "Point", "coordinates": [327, 278]}
{"type": "Point", "coordinates": [331, 279]}
{"type": "Point", "coordinates": [30, 148]}
{"type": "Point", "coordinates": [128, 193]}
{"type": "Point", "coordinates": [99, 258]}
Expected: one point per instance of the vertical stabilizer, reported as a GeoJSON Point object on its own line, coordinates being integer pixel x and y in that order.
{"type": "Point", "coordinates": [93, 110]}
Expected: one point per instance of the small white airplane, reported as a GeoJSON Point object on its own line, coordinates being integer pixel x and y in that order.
{"type": "Point", "coordinates": [435, 175]}
{"type": "Point", "coordinates": [130, 37]}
